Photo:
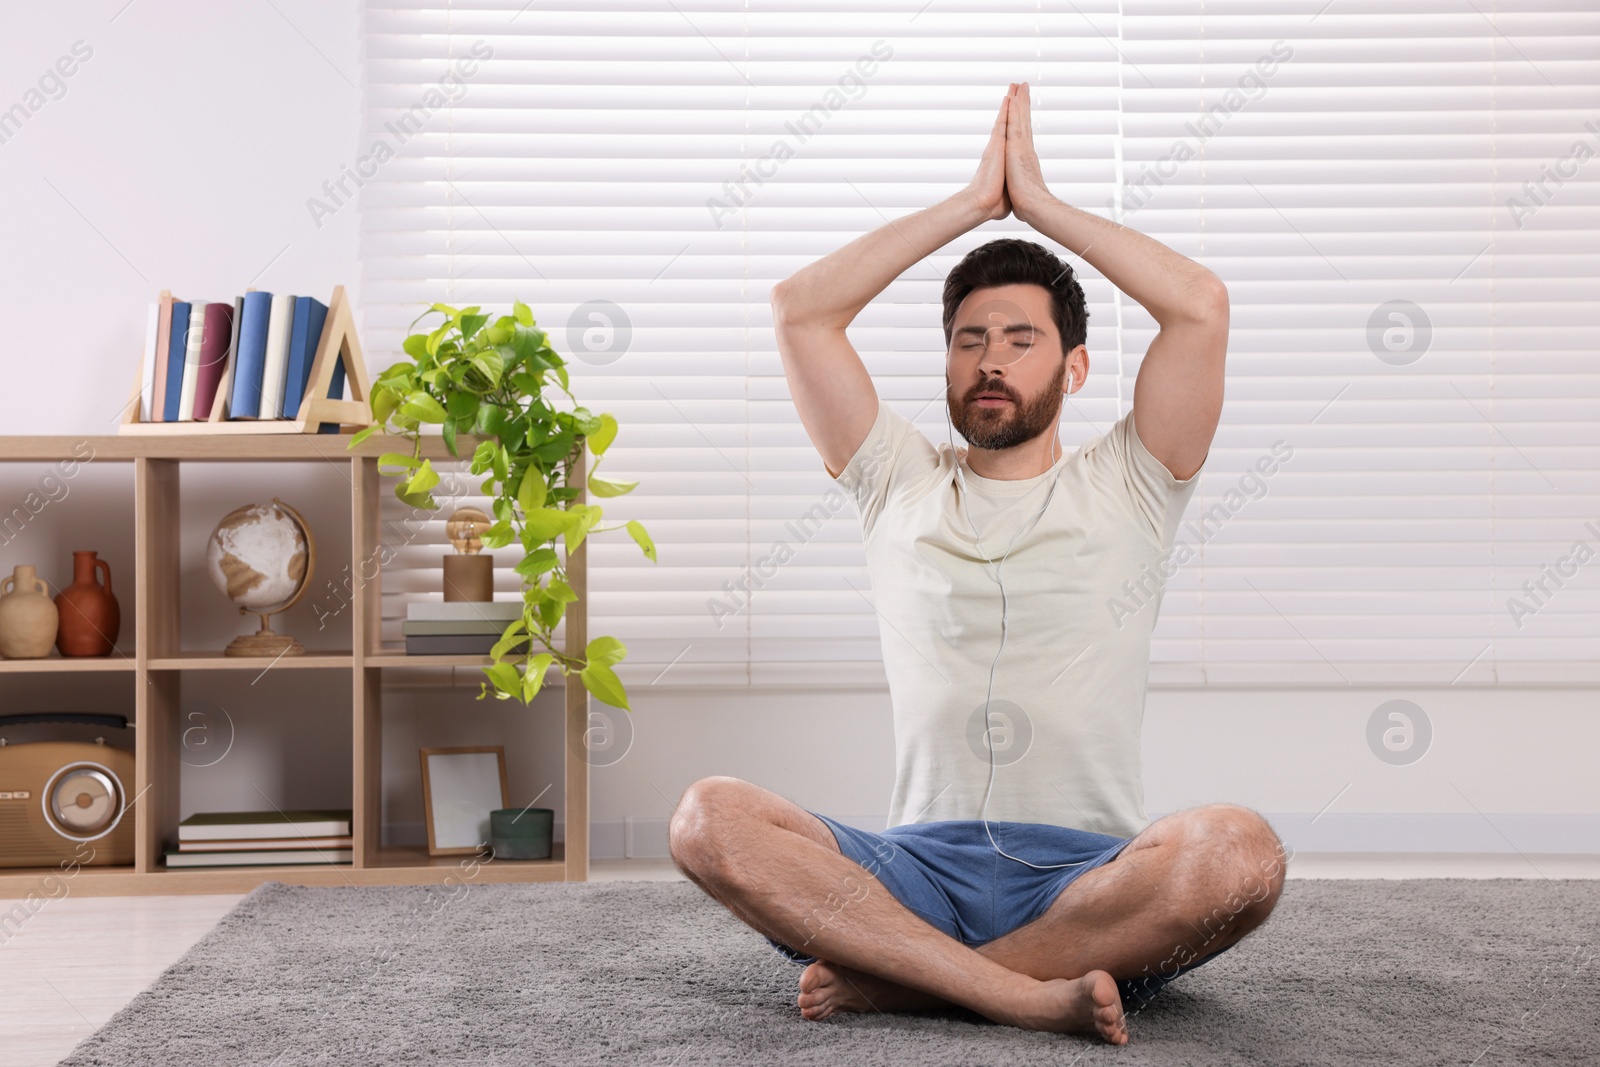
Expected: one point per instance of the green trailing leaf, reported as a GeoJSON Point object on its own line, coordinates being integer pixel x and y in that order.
{"type": "Point", "coordinates": [424, 479]}
{"type": "Point", "coordinates": [505, 680]}
{"type": "Point", "coordinates": [530, 494]}
{"type": "Point", "coordinates": [605, 650]}
{"type": "Point", "coordinates": [446, 309]}
{"type": "Point", "coordinates": [423, 408]}
{"type": "Point", "coordinates": [533, 676]}
{"type": "Point", "coordinates": [561, 590]}
{"type": "Point", "coordinates": [510, 642]}
{"type": "Point", "coordinates": [543, 524]}
{"type": "Point", "coordinates": [498, 535]}
{"type": "Point", "coordinates": [415, 346]}
{"type": "Point", "coordinates": [416, 500]}
{"type": "Point", "coordinates": [523, 313]}
{"type": "Point", "coordinates": [397, 459]}
{"type": "Point", "coordinates": [601, 438]}
{"type": "Point", "coordinates": [602, 681]}
{"type": "Point", "coordinates": [550, 612]}
{"type": "Point", "coordinates": [490, 365]}
{"type": "Point", "coordinates": [606, 487]}
{"type": "Point", "coordinates": [361, 435]}
{"type": "Point", "coordinates": [384, 402]}
{"type": "Point", "coordinates": [536, 563]}
{"type": "Point", "coordinates": [636, 529]}
{"type": "Point", "coordinates": [583, 517]}
{"type": "Point", "coordinates": [471, 324]}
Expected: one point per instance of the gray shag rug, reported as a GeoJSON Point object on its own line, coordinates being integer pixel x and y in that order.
{"type": "Point", "coordinates": [1439, 971]}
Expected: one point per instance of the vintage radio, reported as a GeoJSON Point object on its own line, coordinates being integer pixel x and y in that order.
{"type": "Point", "coordinates": [65, 801]}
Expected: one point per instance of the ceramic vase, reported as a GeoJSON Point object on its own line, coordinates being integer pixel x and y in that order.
{"type": "Point", "coordinates": [28, 616]}
{"type": "Point", "coordinates": [90, 615]}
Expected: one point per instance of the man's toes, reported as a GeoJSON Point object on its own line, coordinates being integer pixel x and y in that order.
{"type": "Point", "coordinates": [814, 977]}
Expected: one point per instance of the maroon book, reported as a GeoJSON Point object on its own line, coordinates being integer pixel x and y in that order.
{"type": "Point", "coordinates": [214, 356]}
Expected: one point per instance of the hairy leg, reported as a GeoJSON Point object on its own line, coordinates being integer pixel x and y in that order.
{"type": "Point", "coordinates": [1190, 884]}
{"type": "Point", "coordinates": [763, 858]}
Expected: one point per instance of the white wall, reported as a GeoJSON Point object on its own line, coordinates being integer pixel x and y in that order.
{"type": "Point", "coordinates": [181, 156]}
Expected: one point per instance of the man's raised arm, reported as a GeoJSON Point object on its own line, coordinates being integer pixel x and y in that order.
{"type": "Point", "coordinates": [1177, 398]}
{"type": "Point", "coordinates": [810, 309]}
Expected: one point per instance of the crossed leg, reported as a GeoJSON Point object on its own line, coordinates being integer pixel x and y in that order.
{"type": "Point", "coordinates": [1188, 885]}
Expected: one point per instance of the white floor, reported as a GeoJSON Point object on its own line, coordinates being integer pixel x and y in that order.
{"type": "Point", "coordinates": [79, 959]}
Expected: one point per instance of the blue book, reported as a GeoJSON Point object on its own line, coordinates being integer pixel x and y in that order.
{"type": "Point", "coordinates": [177, 344]}
{"type": "Point", "coordinates": [309, 315]}
{"type": "Point", "coordinates": [250, 357]}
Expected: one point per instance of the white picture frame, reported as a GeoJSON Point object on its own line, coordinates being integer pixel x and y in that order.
{"type": "Point", "coordinates": [461, 785]}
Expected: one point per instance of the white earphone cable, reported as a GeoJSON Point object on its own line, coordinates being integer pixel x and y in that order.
{"type": "Point", "coordinates": [988, 741]}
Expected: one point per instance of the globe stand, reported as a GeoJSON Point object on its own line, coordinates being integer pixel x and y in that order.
{"type": "Point", "coordinates": [264, 642]}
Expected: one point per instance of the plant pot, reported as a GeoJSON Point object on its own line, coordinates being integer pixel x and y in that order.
{"type": "Point", "coordinates": [90, 615]}
{"type": "Point", "coordinates": [521, 834]}
{"type": "Point", "coordinates": [28, 617]}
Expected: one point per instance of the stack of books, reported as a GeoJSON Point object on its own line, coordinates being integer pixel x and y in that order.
{"type": "Point", "coordinates": [259, 838]}
{"type": "Point", "coordinates": [459, 627]}
{"type": "Point", "coordinates": [255, 351]}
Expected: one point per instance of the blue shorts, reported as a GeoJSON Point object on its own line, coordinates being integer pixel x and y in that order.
{"type": "Point", "coordinates": [950, 874]}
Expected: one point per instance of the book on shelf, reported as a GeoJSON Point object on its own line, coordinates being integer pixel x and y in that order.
{"type": "Point", "coordinates": [258, 825]}
{"type": "Point", "coordinates": [233, 355]}
{"type": "Point", "coordinates": [214, 357]}
{"type": "Point", "coordinates": [441, 610]}
{"type": "Point", "coordinates": [239, 844]}
{"type": "Point", "coordinates": [280, 320]}
{"type": "Point", "coordinates": [279, 858]}
{"type": "Point", "coordinates": [147, 371]}
{"type": "Point", "coordinates": [177, 344]}
{"type": "Point", "coordinates": [252, 354]}
{"type": "Point", "coordinates": [309, 315]}
{"type": "Point", "coordinates": [250, 359]}
{"type": "Point", "coordinates": [193, 342]}
{"type": "Point", "coordinates": [158, 401]}
{"type": "Point", "coordinates": [452, 644]}
{"type": "Point", "coordinates": [454, 626]}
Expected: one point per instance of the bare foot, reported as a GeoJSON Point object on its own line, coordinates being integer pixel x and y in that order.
{"type": "Point", "coordinates": [826, 988]}
{"type": "Point", "coordinates": [1087, 1005]}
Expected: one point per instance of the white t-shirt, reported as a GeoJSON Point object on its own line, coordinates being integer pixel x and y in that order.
{"type": "Point", "coordinates": [1069, 688]}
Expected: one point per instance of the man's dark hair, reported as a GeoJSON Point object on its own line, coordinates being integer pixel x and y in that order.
{"type": "Point", "coordinates": [1009, 261]}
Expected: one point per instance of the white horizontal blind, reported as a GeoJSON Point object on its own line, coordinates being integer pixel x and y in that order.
{"type": "Point", "coordinates": [659, 157]}
{"type": "Point", "coordinates": [1331, 161]}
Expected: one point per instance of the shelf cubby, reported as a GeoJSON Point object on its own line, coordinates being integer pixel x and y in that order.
{"type": "Point", "coordinates": [153, 656]}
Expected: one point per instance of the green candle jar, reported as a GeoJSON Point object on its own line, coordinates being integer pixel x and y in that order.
{"type": "Point", "coordinates": [521, 833]}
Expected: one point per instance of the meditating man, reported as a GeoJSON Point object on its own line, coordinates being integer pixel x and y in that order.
{"type": "Point", "coordinates": [1019, 876]}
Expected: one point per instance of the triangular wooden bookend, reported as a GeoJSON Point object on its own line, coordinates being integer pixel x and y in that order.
{"type": "Point", "coordinates": [338, 343]}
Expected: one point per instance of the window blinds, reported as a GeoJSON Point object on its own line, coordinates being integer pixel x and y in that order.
{"type": "Point", "coordinates": [1398, 194]}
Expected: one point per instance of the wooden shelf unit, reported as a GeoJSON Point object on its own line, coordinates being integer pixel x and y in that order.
{"type": "Point", "coordinates": [160, 662]}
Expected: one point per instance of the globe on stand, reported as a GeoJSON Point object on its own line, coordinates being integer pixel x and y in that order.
{"type": "Point", "coordinates": [262, 556]}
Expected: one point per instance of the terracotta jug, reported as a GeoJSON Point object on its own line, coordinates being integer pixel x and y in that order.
{"type": "Point", "coordinates": [27, 616]}
{"type": "Point", "coordinates": [90, 615]}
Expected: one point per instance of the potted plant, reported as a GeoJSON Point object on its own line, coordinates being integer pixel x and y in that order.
{"type": "Point", "coordinates": [474, 376]}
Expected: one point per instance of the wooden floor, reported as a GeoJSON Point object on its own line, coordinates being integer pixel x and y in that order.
{"type": "Point", "coordinates": [57, 986]}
